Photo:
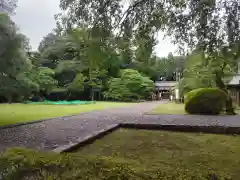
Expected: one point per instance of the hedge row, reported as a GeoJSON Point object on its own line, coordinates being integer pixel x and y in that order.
{"type": "Point", "coordinates": [24, 164]}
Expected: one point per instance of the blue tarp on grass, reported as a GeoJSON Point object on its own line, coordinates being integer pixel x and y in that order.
{"type": "Point", "coordinates": [76, 102]}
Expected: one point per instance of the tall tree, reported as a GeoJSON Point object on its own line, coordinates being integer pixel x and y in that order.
{"type": "Point", "coordinates": [196, 74]}
{"type": "Point", "coordinates": [99, 13]}
{"type": "Point", "coordinates": [213, 27]}
{"type": "Point", "coordinates": [11, 47]}
{"type": "Point", "coordinates": [47, 41]}
{"type": "Point", "coordinates": [13, 58]}
{"type": "Point", "coordinates": [125, 44]}
{"type": "Point", "coordinates": [170, 68]}
{"type": "Point", "coordinates": [209, 25]}
{"type": "Point", "coordinates": [144, 42]}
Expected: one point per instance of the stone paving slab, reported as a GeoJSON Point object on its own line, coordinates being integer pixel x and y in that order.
{"type": "Point", "coordinates": [194, 120]}
{"type": "Point", "coordinates": [51, 134]}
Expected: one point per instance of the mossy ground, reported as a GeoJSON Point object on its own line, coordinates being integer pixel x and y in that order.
{"type": "Point", "coordinates": [169, 151]}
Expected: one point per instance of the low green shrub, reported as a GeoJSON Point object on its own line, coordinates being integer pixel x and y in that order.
{"type": "Point", "coordinates": [24, 164]}
{"type": "Point", "coordinates": [207, 101]}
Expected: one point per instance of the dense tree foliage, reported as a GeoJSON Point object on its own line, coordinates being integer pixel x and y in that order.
{"type": "Point", "coordinates": [95, 41]}
{"type": "Point", "coordinates": [14, 61]}
{"type": "Point", "coordinates": [195, 74]}
{"type": "Point", "coordinates": [80, 63]}
{"type": "Point", "coordinates": [130, 85]}
{"type": "Point", "coordinates": [213, 28]}
{"type": "Point", "coordinates": [207, 25]}
{"type": "Point", "coordinates": [97, 60]}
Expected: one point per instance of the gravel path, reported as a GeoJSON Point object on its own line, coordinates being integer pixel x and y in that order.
{"type": "Point", "coordinates": [48, 135]}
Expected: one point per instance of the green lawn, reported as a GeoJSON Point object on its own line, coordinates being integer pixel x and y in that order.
{"type": "Point", "coordinates": [238, 110]}
{"type": "Point", "coordinates": [169, 108]}
{"type": "Point", "coordinates": [168, 151]}
{"type": "Point", "coordinates": [174, 108]}
{"type": "Point", "coordinates": [18, 113]}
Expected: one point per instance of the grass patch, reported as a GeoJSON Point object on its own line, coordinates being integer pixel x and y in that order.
{"type": "Point", "coordinates": [237, 110]}
{"type": "Point", "coordinates": [19, 113]}
{"type": "Point", "coordinates": [169, 108]}
{"type": "Point", "coordinates": [168, 151]}
{"type": "Point", "coordinates": [25, 164]}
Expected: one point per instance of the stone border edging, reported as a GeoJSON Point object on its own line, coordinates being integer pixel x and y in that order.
{"type": "Point", "coordinates": [81, 142]}
{"type": "Point", "coordinates": [185, 128]}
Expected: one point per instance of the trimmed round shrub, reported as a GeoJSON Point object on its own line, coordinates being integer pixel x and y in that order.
{"type": "Point", "coordinates": [206, 101]}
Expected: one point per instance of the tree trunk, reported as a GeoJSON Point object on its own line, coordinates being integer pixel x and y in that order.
{"type": "Point", "coordinates": [229, 106]}
{"type": "Point", "coordinates": [99, 96]}
{"type": "Point", "coordinates": [92, 95]}
{"type": "Point", "coordinates": [69, 94]}
{"type": "Point", "coordinates": [9, 99]}
{"type": "Point", "coordinates": [220, 84]}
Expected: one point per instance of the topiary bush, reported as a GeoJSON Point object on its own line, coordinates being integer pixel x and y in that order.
{"type": "Point", "coordinates": [206, 101]}
{"type": "Point", "coordinates": [22, 164]}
